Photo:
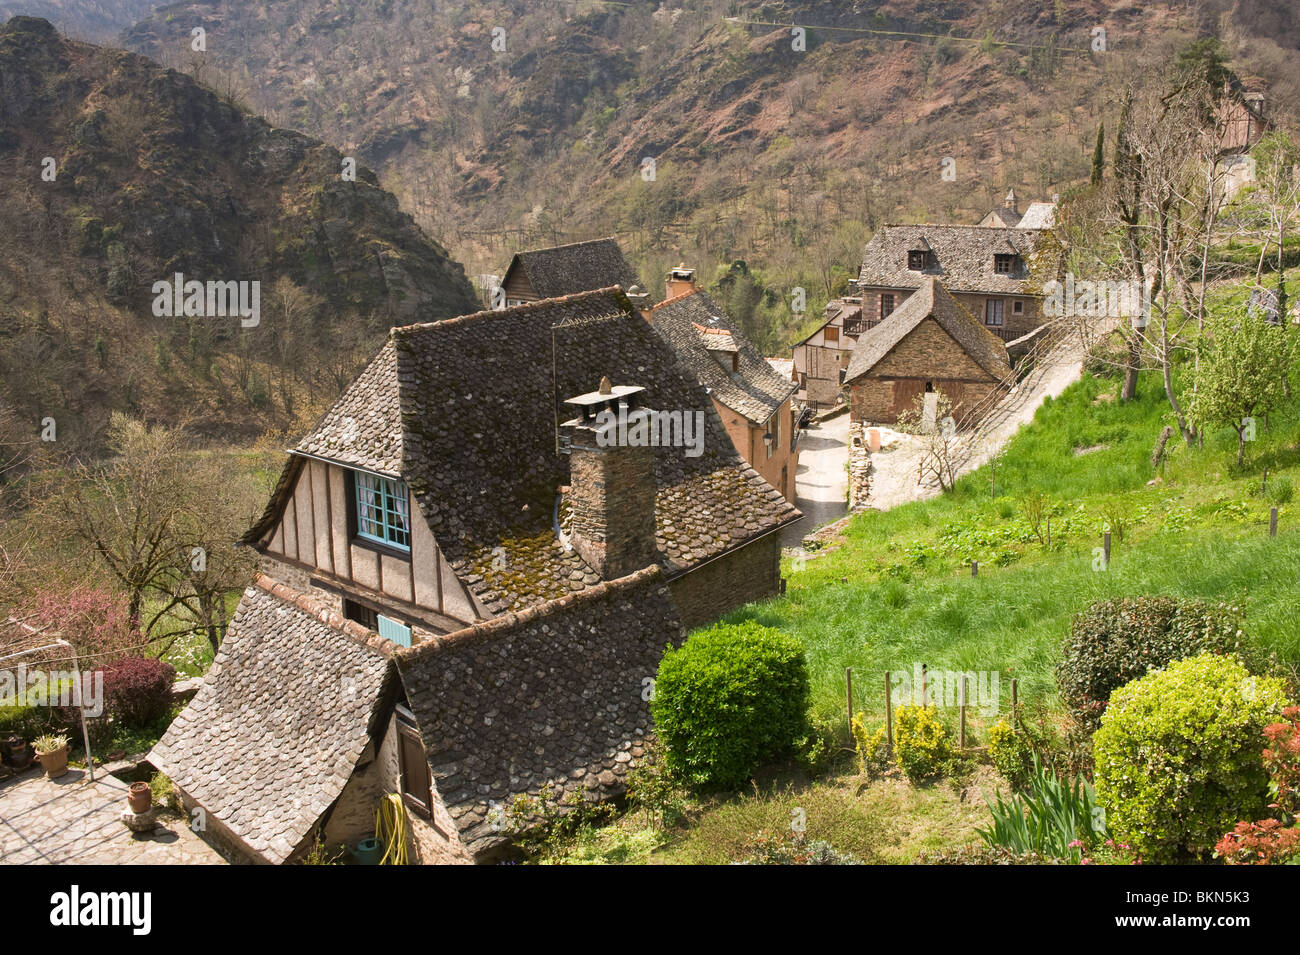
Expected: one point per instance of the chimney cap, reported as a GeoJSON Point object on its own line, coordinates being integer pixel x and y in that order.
{"type": "Point", "coordinates": [605, 394]}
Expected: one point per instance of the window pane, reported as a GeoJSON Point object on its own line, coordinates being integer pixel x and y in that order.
{"type": "Point", "coordinates": [383, 510]}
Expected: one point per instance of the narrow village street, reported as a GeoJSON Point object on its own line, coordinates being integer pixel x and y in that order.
{"type": "Point", "coordinates": [822, 482]}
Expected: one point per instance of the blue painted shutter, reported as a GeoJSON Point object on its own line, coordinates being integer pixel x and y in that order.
{"type": "Point", "coordinates": [392, 630]}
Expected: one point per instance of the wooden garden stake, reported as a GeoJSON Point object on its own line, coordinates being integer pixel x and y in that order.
{"type": "Point", "coordinates": [1015, 701]}
{"type": "Point", "coordinates": [1105, 546]}
{"type": "Point", "coordinates": [1272, 522]}
{"type": "Point", "coordinates": [889, 714]}
{"type": "Point", "coordinates": [964, 683]}
{"type": "Point", "coordinates": [924, 674]}
{"type": "Point", "coordinates": [848, 693]}
{"type": "Point", "coordinates": [974, 568]}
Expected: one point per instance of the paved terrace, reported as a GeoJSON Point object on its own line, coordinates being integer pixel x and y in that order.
{"type": "Point", "coordinates": [71, 820]}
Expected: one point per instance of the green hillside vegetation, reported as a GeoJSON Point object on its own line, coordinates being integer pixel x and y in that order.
{"type": "Point", "coordinates": [784, 159]}
{"type": "Point", "coordinates": [120, 173]}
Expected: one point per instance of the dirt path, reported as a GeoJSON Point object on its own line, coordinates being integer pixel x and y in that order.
{"type": "Point", "coordinates": [894, 478]}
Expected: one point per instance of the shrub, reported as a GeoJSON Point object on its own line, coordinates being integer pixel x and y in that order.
{"type": "Point", "coordinates": [1051, 817]}
{"type": "Point", "coordinates": [793, 849]}
{"type": "Point", "coordinates": [872, 748]}
{"type": "Point", "coordinates": [1011, 752]}
{"type": "Point", "coordinates": [137, 690]}
{"type": "Point", "coordinates": [1117, 641]}
{"type": "Point", "coordinates": [921, 746]}
{"type": "Point", "coordinates": [982, 854]}
{"type": "Point", "coordinates": [93, 620]}
{"type": "Point", "coordinates": [728, 700]}
{"type": "Point", "coordinates": [653, 789]}
{"type": "Point", "coordinates": [1179, 755]}
{"type": "Point", "coordinates": [1282, 761]}
{"type": "Point", "coordinates": [1259, 843]}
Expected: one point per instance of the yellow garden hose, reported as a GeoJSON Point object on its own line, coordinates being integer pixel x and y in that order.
{"type": "Point", "coordinates": [391, 829]}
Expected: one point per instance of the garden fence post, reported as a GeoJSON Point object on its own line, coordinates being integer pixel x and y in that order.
{"type": "Point", "coordinates": [848, 694]}
{"type": "Point", "coordinates": [1272, 522]}
{"type": "Point", "coordinates": [1015, 701]}
{"type": "Point", "coordinates": [924, 673]}
{"type": "Point", "coordinates": [964, 681]}
{"type": "Point", "coordinates": [1105, 546]}
{"type": "Point", "coordinates": [889, 715]}
{"type": "Point", "coordinates": [974, 568]}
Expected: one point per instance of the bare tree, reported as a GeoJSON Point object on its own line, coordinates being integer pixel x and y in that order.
{"type": "Point", "coordinates": [940, 444]}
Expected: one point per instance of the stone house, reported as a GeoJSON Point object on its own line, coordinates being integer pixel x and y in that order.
{"type": "Point", "coordinates": [566, 270]}
{"type": "Point", "coordinates": [984, 267]}
{"type": "Point", "coordinates": [930, 344]}
{"type": "Point", "coordinates": [821, 359]}
{"type": "Point", "coordinates": [465, 587]}
{"type": "Point", "coordinates": [754, 402]}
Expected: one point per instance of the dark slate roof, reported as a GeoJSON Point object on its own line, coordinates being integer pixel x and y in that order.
{"type": "Point", "coordinates": [284, 713]}
{"type": "Point", "coordinates": [689, 323]}
{"type": "Point", "coordinates": [931, 300]}
{"type": "Point", "coordinates": [478, 401]}
{"type": "Point", "coordinates": [357, 429]}
{"type": "Point", "coordinates": [963, 254]}
{"type": "Point", "coordinates": [553, 694]}
{"type": "Point", "coordinates": [578, 267]}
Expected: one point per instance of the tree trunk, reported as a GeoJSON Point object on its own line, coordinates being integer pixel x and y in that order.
{"type": "Point", "coordinates": [1129, 391]}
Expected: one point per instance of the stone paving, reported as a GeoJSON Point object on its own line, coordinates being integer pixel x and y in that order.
{"type": "Point", "coordinates": [71, 820]}
{"type": "Point", "coordinates": [821, 483]}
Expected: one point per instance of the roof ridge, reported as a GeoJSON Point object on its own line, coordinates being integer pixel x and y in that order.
{"type": "Point", "coordinates": [608, 291]}
{"type": "Point", "coordinates": [569, 245]}
{"type": "Point", "coordinates": [676, 298]}
{"type": "Point", "coordinates": [540, 611]}
{"type": "Point", "coordinates": [330, 618]}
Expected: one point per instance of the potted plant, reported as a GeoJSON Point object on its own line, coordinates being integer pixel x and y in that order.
{"type": "Point", "coordinates": [20, 757]}
{"type": "Point", "coordinates": [140, 797]}
{"type": "Point", "coordinates": [52, 751]}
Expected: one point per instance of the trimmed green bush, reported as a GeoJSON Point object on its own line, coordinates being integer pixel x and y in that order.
{"type": "Point", "coordinates": [731, 698]}
{"type": "Point", "coordinates": [921, 745]}
{"type": "Point", "coordinates": [1179, 756]}
{"type": "Point", "coordinates": [1116, 641]}
{"type": "Point", "coordinates": [1012, 755]}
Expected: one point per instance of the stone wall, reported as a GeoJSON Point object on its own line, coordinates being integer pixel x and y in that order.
{"type": "Point", "coordinates": [859, 467]}
{"type": "Point", "coordinates": [612, 499]}
{"type": "Point", "coordinates": [752, 572]}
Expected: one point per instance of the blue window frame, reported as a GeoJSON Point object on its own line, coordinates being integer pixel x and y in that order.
{"type": "Point", "coordinates": [383, 510]}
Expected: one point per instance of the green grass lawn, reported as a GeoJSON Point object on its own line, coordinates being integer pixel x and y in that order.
{"type": "Point", "coordinates": [897, 592]}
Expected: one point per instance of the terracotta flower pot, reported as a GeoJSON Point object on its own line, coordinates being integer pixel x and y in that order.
{"type": "Point", "coordinates": [20, 757]}
{"type": "Point", "coordinates": [55, 763]}
{"type": "Point", "coordinates": [140, 796]}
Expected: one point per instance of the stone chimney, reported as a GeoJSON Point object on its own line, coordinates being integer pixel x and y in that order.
{"type": "Point", "coordinates": [680, 281]}
{"type": "Point", "coordinates": [611, 482]}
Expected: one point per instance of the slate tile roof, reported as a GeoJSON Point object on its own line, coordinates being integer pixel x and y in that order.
{"type": "Point", "coordinates": [470, 406]}
{"type": "Point", "coordinates": [577, 267]}
{"type": "Point", "coordinates": [358, 430]}
{"type": "Point", "coordinates": [963, 257]}
{"type": "Point", "coordinates": [694, 324]}
{"type": "Point", "coordinates": [285, 711]}
{"type": "Point", "coordinates": [1039, 215]}
{"type": "Point", "coordinates": [553, 694]}
{"type": "Point", "coordinates": [932, 299]}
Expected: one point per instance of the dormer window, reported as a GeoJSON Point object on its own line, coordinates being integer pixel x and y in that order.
{"type": "Point", "coordinates": [918, 260]}
{"type": "Point", "coordinates": [383, 512]}
{"type": "Point", "coordinates": [1006, 264]}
